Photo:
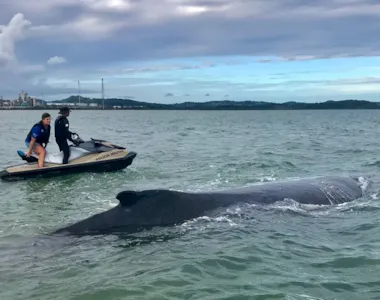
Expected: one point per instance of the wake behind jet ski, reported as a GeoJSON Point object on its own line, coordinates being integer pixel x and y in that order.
{"type": "Point", "coordinates": [85, 156]}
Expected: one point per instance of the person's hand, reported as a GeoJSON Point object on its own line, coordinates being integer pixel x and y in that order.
{"type": "Point", "coordinates": [29, 153]}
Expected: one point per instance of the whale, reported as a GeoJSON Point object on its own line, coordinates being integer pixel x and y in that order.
{"type": "Point", "coordinates": [146, 209]}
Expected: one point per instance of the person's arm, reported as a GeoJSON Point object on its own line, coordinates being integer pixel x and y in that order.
{"type": "Point", "coordinates": [68, 132]}
{"type": "Point", "coordinates": [47, 142]}
{"type": "Point", "coordinates": [70, 137]}
{"type": "Point", "coordinates": [32, 141]}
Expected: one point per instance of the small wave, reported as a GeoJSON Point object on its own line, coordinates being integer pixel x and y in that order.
{"type": "Point", "coordinates": [292, 206]}
{"type": "Point", "coordinates": [348, 262]}
{"type": "Point", "coordinates": [304, 296]}
{"type": "Point", "coordinates": [374, 164]}
{"type": "Point", "coordinates": [148, 133]}
{"type": "Point", "coordinates": [356, 206]}
{"type": "Point", "coordinates": [265, 153]}
{"type": "Point", "coordinates": [350, 151]}
{"type": "Point", "coordinates": [289, 164]}
{"type": "Point", "coordinates": [225, 263]}
{"type": "Point", "coordinates": [336, 286]}
{"type": "Point", "coordinates": [315, 210]}
{"type": "Point", "coordinates": [268, 164]}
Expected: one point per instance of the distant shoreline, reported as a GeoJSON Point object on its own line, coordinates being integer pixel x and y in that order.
{"type": "Point", "coordinates": [127, 104]}
{"type": "Point", "coordinates": [185, 109]}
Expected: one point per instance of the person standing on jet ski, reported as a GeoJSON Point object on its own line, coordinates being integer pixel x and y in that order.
{"type": "Point", "coordinates": [38, 138]}
{"type": "Point", "coordinates": [62, 133]}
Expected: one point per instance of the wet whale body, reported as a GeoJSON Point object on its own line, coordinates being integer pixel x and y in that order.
{"type": "Point", "coordinates": [146, 209]}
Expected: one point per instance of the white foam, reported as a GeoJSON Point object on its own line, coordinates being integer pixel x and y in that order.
{"type": "Point", "coordinates": [268, 178]}
{"type": "Point", "coordinates": [363, 183]}
{"type": "Point", "coordinates": [204, 222]}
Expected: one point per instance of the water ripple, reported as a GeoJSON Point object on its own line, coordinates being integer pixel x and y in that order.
{"type": "Point", "coordinates": [282, 251]}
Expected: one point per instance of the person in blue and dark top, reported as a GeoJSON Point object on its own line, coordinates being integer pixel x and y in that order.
{"type": "Point", "coordinates": [38, 138]}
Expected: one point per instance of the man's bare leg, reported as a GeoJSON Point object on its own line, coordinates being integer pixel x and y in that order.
{"type": "Point", "coordinates": [41, 155]}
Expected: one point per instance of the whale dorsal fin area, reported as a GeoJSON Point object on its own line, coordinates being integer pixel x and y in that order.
{"type": "Point", "coordinates": [131, 198]}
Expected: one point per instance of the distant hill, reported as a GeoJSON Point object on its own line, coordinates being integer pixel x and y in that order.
{"type": "Point", "coordinates": [107, 102]}
{"type": "Point", "coordinates": [117, 103]}
{"type": "Point", "coordinates": [225, 104]}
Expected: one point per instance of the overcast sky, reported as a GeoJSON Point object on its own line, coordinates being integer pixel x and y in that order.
{"type": "Point", "coordinates": [174, 51]}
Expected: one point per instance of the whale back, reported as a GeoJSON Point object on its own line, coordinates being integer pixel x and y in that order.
{"type": "Point", "coordinates": [160, 207]}
{"type": "Point", "coordinates": [167, 206]}
{"type": "Point", "coordinates": [327, 190]}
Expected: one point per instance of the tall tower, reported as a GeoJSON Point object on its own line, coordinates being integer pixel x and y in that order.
{"type": "Point", "coordinates": [103, 92]}
{"type": "Point", "coordinates": [79, 91]}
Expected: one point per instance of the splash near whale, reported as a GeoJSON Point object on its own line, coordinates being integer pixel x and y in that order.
{"type": "Point", "coordinates": [146, 209]}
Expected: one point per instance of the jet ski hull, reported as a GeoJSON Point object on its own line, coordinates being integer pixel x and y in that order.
{"type": "Point", "coordinates": [97, 162]}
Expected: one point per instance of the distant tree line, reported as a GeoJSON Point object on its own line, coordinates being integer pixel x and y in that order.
{"type": "Point", "coordinates": [226, 104]}
{"type": "Point", "coordinates": [112, 103]}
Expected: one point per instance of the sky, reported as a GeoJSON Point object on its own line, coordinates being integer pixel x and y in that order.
{"type": "Point", "coordinates": [171, 51]}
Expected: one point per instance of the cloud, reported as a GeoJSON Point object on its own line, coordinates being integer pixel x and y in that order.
{"type": "Point", "coordinates": [56, 60]}
{"type": "Point", "coordinates": [168, 68]}
{"type": "Point", "coordinates": [10, 34]}
{"type": "Point", "coordinates": [126, 39]}
{"type": "Point", "coordinates": [357, 83]}
{"type": "Point", "coordinates": [278, 28]}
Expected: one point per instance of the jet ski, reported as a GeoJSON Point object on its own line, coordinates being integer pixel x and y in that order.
{"type": "Point", "coordinates": [94, 155]}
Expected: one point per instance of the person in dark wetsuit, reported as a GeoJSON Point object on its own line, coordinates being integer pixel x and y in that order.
{"type": "Point", "coordinates": [38, 138]}
{"type": "Point", "coordinates": [62, 133]}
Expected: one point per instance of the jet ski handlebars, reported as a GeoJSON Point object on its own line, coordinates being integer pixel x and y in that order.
{"type": "Point", "coordinates": [76, 139]}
